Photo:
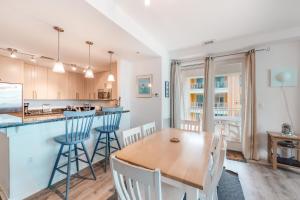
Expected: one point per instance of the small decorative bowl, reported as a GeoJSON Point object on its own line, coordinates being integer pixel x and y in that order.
{"type": "Point", "coordinates": [175, 140]}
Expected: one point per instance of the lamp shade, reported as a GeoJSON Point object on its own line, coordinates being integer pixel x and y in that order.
{"type": "Point", "coordinates": [111, 78]}
{"type": "Point", "coordinates": [58, 67]}
{"type": "Point", "coordinates": [284, 77]}
{"type": "Point", "coordinates": [89, 73]}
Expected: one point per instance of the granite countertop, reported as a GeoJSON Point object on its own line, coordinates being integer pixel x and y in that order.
{"type": "Point", "coordinates": [7, 121]}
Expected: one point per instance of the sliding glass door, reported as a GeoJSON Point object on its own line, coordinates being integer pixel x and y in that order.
{"type": "Point", "coordinates": [228, 109]}
{"type": "Point", "coordinates": [228, 91]}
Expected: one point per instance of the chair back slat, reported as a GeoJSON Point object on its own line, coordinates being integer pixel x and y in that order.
{"type": "Point", "coordinates": [111, 118]}
{"type": "Point", "coordinates": [188, 125]}
{"type": "Point", "coordinates": [131, 136]}
{"type": "Point", "coordinates": [149, 129]}
{"type": "Point", "coordinates": [78, 125]}
{"type": "Point", "coordinates": [134, 182]}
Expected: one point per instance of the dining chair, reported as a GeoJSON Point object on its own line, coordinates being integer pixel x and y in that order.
{"type": "Point", "coordinates": [189, 125]}
{"type": "Point", "coordinates": [148, 129]}
{"type": "Point", "coordinates": [131, 136]}
{"type": "Point", "coordinates": [217, 169]}
{"type": "Point", "coordinates": [132, 182]}
{"type": "Point", "coordinates": [77, 131]}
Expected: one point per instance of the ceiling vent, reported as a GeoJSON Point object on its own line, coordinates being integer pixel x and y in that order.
{"type": "Point", "coordinates": [208, 42]}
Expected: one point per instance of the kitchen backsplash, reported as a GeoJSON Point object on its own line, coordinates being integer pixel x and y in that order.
{"type": "Point", "coordinates": [37, 104]}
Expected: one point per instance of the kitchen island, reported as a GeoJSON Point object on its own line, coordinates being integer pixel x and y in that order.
{"type": "Point", "coordinates": [28, 152]}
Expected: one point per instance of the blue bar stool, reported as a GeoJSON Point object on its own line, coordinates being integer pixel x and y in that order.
{"type": "Point", "coordinates": [111, 123]}
{"type": "Point", "coordinates": [78, 128]}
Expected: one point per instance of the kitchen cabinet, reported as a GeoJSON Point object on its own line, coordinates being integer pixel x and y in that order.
{"type": "Point", "coordinates": [11, 70]}
{"type": "Point", "coordinates": [75, 86]}
{"type": "Point", "coordinates": [57, 85]}
{"type": "Point", "coordinates": [90, 89]}
{"type": "Point", "coordinates": [35, 82]}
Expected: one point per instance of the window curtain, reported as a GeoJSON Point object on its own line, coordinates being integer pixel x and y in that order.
{"type": "Point", "coordinates": [176, 94]}
{"type": "Point", "coordinates": [249, 142]}
{"type": "Point", "coordinates": [209, 99]}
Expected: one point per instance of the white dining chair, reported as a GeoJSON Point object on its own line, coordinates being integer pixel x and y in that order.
{"type": "Point", "coordinates": [217, 170]}
{"type": "Point", "coordinates": [132, 182]}
{"type": "Point", "coordinates": [131, 136]}
{"type": "Point", "coordinates": [189, 125]}
{"type": "Point", "coordinates": [148, 129]}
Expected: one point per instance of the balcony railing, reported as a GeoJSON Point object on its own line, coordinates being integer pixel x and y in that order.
{"type": "Point", "coordinates": [197, 86]}
{"type": "Point", "coordinates": [221, 84]}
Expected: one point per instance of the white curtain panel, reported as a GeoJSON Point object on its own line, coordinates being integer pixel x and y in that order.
{"type": "Point", "coordinates": [249, 142]}
{"type": "Point", "coordinates": [177, 95]}
{"type": "Point", "coordinates": [209, 95]}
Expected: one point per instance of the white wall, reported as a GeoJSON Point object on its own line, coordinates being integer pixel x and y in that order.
{"type": "Point", "coordinates": [271, 111]}
{"type": "Point", "coordinates": [145, 110]}
{"type": "Point", "coordinates": [142, 110]}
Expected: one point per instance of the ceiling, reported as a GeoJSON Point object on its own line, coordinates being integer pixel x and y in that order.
{"type": "Point", "coordinates": [179, 24]}
{"type": "Point", "coordinates": [27, 26]}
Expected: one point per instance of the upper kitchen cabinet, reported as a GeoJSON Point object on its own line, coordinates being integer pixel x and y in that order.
{"type": "Point", "coordinates": [75, 86]}
{"type": "Point", "coordinates": [57, 85]}
{"type": "Point", "coordinates": [90, 89]}
{"type": "Point", "coordinates": [35, 82]}
{"type": "Point", "coordinates": [11, 70]}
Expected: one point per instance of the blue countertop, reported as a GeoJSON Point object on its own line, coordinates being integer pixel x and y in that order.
{"type": "Point", "coordinates": [7, 121]}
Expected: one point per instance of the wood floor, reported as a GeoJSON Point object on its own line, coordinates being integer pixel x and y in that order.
{"type": "Point", "coordinates": [259, 182]}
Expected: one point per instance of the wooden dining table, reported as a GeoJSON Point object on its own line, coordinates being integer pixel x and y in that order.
{"type": "Point", "coordinates": [183, 164]}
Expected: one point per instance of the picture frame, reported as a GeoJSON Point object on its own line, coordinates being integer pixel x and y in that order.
{"type": "Point", "coordinates": [144, 86]}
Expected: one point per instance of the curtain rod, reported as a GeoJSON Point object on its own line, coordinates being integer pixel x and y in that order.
{"type": "Point", "coordinates": [220, 56]}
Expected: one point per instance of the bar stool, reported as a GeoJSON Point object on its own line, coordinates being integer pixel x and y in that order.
{"type": "Point", "coordinates": [78, 127]}
{"type": "Point", "coordinates": [111, 123]}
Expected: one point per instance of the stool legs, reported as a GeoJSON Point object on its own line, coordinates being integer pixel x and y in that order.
{"type": "Point", "coordinates": [96, 146]}
{"type": "Point", "coordinates": [71, 159]}
{"type": "Point", "coordinates": [68, 173]}
{"type": "Point", "coordinates": [76, 155]}
{"type": "Point", "coordinates": [107, 147]}
{"type": "Point", "coordinates": [55, 165]}
{"type": "Point", "coordinates": [88, 160]}
{"type": "Point", "coordinates": [119, 146]}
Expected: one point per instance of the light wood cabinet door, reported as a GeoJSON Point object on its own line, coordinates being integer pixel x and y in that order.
{"type": "Point", "coordinates": [40, 82]}
{"type": "Point", "coordinates": [57, 85]}
{"type": "Point", "coordinates": [35, 82]}
{"type": "Point", "coordinates": [75, 86]}
{"type": "Point", "coordinates": [11, 70]}
{"type": "Point", "coordinates": [80, 85]}
{"type": "Point", "coordinates": [90, 89]}
{"type": "Point", "coordinates": [28, 87]}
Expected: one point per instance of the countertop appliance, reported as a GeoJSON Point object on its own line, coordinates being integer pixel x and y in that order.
{"type": "Point", "coordinates": [11, 98]}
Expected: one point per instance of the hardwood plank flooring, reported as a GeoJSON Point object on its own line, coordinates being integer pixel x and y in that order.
{"type": "Point", "coordinates": [259, 182]}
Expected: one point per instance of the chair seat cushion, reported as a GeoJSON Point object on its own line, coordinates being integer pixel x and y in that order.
{"type": "Point", "coordinates": [74, 140]}
{"type": "Point", "coordinates": [107, 129]}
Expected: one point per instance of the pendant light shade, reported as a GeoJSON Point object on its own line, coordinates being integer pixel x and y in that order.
{"type": "Point", "coordinates": [89, 72]}
{"type": "Point", "coordinates": [111, 77]}
{"type": "Point", "coordinates": [58, 66]}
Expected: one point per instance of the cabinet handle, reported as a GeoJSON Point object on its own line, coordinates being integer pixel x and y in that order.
{"type": "Point", "coordinates": [35, 94]}
{"type": "Point", "coordinates": [32, 94]}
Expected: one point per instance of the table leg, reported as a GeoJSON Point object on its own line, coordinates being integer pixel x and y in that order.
{"type": "Point", "coordinates": [274, 159]}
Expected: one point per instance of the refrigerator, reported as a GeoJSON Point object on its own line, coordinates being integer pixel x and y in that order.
{"type": "Point", "coordinates": [11, 102]}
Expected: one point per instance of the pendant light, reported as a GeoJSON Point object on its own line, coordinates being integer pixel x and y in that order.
{"type": "Point", "coordinates": [110, 77]}
{"type": "Point", "coordinates": [147, 3]}
{"type": "Point", "coordinates": [89, 72]}
{"type": "Point", "coordinates": [58, 66]}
